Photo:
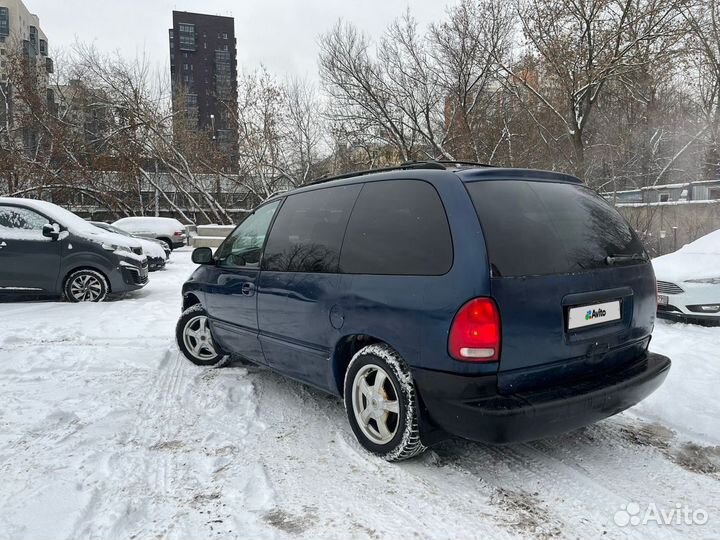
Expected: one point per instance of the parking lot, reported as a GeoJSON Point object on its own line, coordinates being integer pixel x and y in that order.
{"type": "Point", "coordinates": [106, 431]}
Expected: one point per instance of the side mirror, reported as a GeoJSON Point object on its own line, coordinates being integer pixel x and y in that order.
{"type": "Point", "coordinates": [51, 230]}
{"type": "Point", "coordinates": [202, 255]}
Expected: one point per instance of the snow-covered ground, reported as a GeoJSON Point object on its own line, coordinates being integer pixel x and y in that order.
{"type": "Point", "coordinates": [106, 432]}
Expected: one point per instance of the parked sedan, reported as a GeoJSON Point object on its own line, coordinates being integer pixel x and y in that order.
{"type": "Point", "coordinates": [169, 230]}
{"type": "Point", "coordinates": [156, 253]}
{"type": "Point", "coordinates": [688, 281]}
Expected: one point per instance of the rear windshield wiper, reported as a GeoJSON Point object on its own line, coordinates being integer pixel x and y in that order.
{"type": "Point", "coordinates": [612, 259]}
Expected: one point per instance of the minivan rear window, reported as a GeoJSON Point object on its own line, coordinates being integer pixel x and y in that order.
{"type": "Point", "coordinates": [540, 228]}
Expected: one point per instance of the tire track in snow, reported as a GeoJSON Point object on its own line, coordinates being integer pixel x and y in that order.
{"type": "Point", "coordinates": [131, 478]}
{"type": "Point", "coordinates": [578, 485]}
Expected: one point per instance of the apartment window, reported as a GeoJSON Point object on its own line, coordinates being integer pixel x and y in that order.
{"type": "Point", "coordinates": [4, 21]}
{"type": "Point", "coordinates": [43, 47]}
{"type": "Point", "coordinates": [664, 197]}
{"type": "Point", "coordinates": [34, 39]}
{"type": "Point", "coordinates": [224, 36]}
{"type": "Point", "coordinates": [185, 67]}
{"type": "Point", "coordinates": [187, 36]}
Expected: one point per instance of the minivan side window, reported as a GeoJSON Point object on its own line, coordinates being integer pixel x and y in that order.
{"type": "Point", "coordinates": [308, 231]}
{"type": "Point", "coordinates": [398, 227]}
{"type": "Point", "coordinates": [243, 248]}
{"type": "Point", "coordinates": [21, 223]}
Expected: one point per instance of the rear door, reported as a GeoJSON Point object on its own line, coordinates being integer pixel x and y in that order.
{"type": "Point", "coordinates": [574, 286]}
{"type": "Point", "coordinates": [300, 284]}
{"type": "Point", "coordinates": [29, 261]}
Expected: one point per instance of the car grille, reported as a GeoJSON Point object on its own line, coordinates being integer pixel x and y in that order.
{"type": "Point", "coordinates": [665, 287]}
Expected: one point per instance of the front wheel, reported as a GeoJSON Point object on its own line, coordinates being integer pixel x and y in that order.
{"type": "Point", "coordinates": [194, 339]}
{"type": "Point", "coordinates": [381, 403]}
{"type": "Point", "coordinates": [86, 286]}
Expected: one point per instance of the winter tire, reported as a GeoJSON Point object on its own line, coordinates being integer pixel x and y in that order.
{"type": "Point", "coordinates": [381, 403]}
{"type": "Point", "coordinates": [86, 286]}
{"type": "Point", "coordinates": [194, 339]}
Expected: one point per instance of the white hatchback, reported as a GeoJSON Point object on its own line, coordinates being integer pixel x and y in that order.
{"type": "Point", "coordinates": [169, 230]}
{"type": "Point", "coordinates": [688, 281]}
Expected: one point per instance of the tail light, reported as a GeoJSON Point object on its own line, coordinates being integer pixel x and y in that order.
{"type": "Point", "coordinates": [178, 233]}
{"type": "Point", "coordinates": [475, 332]}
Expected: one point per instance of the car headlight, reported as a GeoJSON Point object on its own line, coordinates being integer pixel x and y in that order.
{"type": "Point", "coordinates": [114, 247]}
{"type": "Point", "coordinates": [712, 280]}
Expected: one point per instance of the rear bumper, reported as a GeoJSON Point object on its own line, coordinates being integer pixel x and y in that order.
{"type": "Point", "coordinates": [470, 407]}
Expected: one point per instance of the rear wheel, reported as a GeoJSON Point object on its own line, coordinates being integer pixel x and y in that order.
{"type": "Point", "coordinates": [194, 339]}
{"type": "Point", "coordinates": [86, 286]}
{"type": "Point", "coordinates": [381, 403]}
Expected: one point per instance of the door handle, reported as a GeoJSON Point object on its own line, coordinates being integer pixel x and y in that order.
{"type": "Point", "coordinates": [248, 289]}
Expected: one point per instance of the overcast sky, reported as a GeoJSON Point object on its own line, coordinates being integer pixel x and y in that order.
{"type": "Point", "coordinates": [281, 34]}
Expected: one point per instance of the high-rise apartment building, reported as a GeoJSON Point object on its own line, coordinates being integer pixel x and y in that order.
{"type": "Point", "coordinates": [22, 44]}
{"type": "Point", "coordinates": [203, 68]}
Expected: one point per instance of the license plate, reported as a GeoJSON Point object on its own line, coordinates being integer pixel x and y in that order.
{"type": "Point", "coordinates": [663, 299]}
{"type": "Point", "coordinates": [581, 316]}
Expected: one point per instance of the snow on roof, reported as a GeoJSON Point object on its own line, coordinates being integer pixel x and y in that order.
{"type": "Point", "coordinates": [667, 203]}
{"type": "Point", "coordinates": [73, 222]}
{"type": "Point", "coordinates": [708, 244]}
{"type": "Point", "coordinates": [662, 186]}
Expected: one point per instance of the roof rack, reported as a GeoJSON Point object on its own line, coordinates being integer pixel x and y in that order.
{"type": "Point", "coordinates": [461, 162]}
{"type": "Point", "coordinates": [421, 164]}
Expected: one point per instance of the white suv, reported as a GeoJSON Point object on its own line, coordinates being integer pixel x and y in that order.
{"type": "Point", "coordinates": [169, 230]}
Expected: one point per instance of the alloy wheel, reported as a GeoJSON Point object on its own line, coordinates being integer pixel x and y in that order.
{"type": "Point", "coordinates": [197, 338]}
{"type": "Point", "coordinates": [86, 288]}
{"type": "Point", "coordinates": [375, 404]}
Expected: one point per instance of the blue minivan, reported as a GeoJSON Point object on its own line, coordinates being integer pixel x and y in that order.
{"type": "Point", "coordinates": [437, 299]}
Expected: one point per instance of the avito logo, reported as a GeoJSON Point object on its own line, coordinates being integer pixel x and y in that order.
{"type": "Point", "coordinates": [594, 314]}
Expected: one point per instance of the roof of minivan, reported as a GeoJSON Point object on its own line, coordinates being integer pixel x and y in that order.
{"type": "Point", "coordinates": [466, 174]}
{"type": "Point", "coordinates": [473, 174]}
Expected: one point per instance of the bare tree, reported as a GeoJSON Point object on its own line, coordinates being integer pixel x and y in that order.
{"type": "Point", "coordinates": [703, 18]}
{"type": "Point", "coordinates": [583, 46]}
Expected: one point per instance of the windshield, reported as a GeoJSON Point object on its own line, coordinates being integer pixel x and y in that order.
{"type": "Point", "coordinates": [538, 228]}
{"type": "Point", "coordinates": [110, 228]}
